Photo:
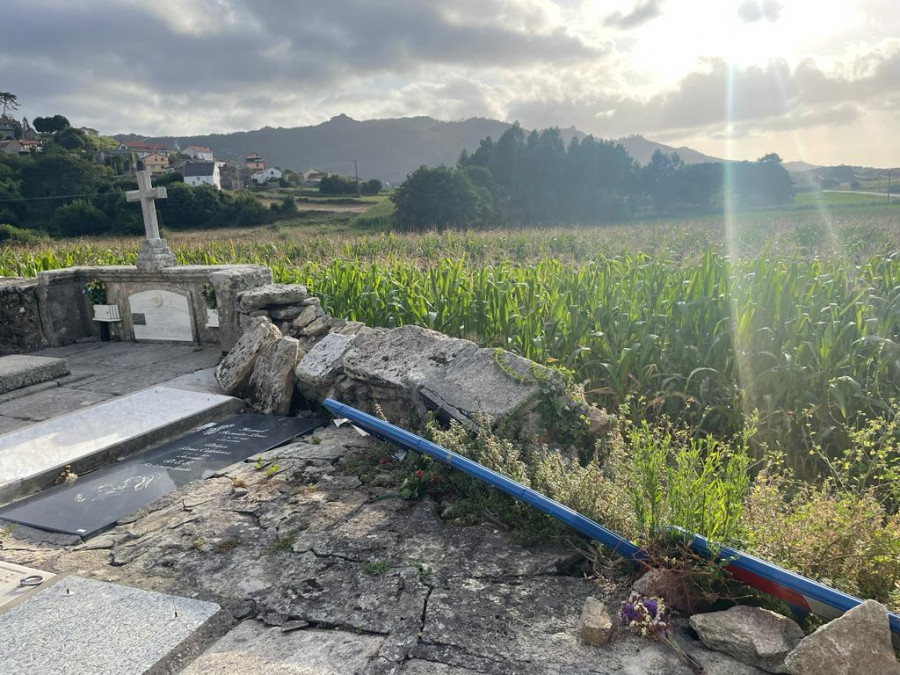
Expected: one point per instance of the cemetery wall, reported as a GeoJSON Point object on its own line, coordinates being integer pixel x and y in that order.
{"type": "Point", "coordinates": [169, 304]}
{"type": "Point", "coordinates": [20, 319]}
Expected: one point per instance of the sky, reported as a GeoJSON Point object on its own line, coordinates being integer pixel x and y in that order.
{"type": "Point", "coordinates": [813, 80]}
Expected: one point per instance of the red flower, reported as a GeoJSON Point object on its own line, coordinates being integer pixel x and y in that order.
{"type": "Point", "coordinates": [383, 461]}
{"type": "Point", "coordinates": [418, 474]}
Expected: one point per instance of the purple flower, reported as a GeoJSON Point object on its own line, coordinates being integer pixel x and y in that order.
{"type": "Point", "coordinates": [629, 613]}
{"type": "Point", "coordinates": [652, 607]}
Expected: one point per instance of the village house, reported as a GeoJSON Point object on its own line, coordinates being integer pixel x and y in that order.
{"type": "Point", "coordinates": [202, 173]}
{"type": "Point", "coordinates": [19, 147]}
{"type": "Point", "coordinates": [156, 162]}
{"type": "Point", "coordinates": [234, 175]}
{"type": "Point", "coordinates": [270, 174]}
{"type": "Point", "coordinates": [254, 163]}
{"type": "Point", "coordinates": [312, 176]}
{"type": "Point", "coordinates": [7, 128]}
{"type": "Point", "coordinates": [142, 149]}
{"type": "Point", "coordinates": [198, 152]}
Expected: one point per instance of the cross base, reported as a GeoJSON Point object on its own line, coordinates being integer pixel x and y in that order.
{"type": "Point", "coordinates": [154, 254]}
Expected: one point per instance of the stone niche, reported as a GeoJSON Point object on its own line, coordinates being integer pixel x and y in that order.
{"type": "Point", "coordinates": [161, 305]}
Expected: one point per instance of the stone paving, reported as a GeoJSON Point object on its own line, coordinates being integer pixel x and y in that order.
{"type": "Point", "coordinates": [317, 577]}
{"type": "Point", "coordinates": [99, 371]}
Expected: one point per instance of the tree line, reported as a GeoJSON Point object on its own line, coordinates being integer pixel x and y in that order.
{"type": "Point", "coordinates": [538, 179]}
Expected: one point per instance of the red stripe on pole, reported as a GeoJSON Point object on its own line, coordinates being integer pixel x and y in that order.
{"type": "Point", "coordinates": [768, 586]}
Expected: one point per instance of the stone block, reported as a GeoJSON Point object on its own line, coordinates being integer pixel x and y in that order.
{"type": "Point", "coordinates": [319, 326]}
{"type": "Point", "coordinates": [253, 647]}
{"type": "Point", "coordinates": [307, 315]}
{"type": "Point", "coordinates": [857, 642]}
{"type": "Point", "coordinates": [271, 295]}
{"type": "Point", "coordinates": [85, 626]}
{"type": "Point", "coordinates": [318, 370]}
{"type": "Point", "coordinates": [752, 635]}
{"type": "Point", "coordinates": [286, 313]}
{"type": "Point", "coordinates": [234, 372]}
{"type": "Point", "coordinates": [17, 371]}
{"type": "Point", "coordinates": [229, 282]}
{"type": "Point", "coordinates": [20, 318]}
{"type": "Point", "coordinates": [596, 624]}
{"type": "Point", "coordinates": [272, 383]}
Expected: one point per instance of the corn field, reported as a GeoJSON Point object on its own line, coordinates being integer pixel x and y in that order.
{"type": "Point", "coordinates": [805, 334]}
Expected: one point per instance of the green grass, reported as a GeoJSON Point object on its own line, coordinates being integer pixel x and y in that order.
{"type": "Point", "coordinates": [829, 199]}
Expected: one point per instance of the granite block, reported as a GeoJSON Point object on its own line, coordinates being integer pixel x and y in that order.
{"type": "Point", "coordinates": [19, 370]}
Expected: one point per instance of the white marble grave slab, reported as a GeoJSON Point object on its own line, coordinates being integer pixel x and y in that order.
{"type": "Point", "coordinates": [161, 315]}
{"type": "Point", "coordinates": [88, 627]}
{"type": "Point", "coordinates": [11, 575]}
{"type": "Point", "coordinates": [63, 440]}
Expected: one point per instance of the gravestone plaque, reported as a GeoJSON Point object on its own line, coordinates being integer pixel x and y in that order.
{"type": "Point", "coordinates": [161, 315]}
{"type": "Point", "coordinates": [97, 500]}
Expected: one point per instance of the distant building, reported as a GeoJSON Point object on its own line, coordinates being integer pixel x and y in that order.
{"type": "Point", "coordinates": [254, 163]}
{"type": "Point", "coordinates": [270, 174]}
{"type": "Point", "coordinates": [312, 176]}
{"type": "Point", "coordinates": [7, 128]}
{"type": "Point", "coordinates": [156, 162]}
{"type": "Point", "coordinates": [19, 147]}
{"type": "Point", "coordinates": [234, 175]}
{"type": "Point", "coordinates": [142, 149]}
{"type": "Point", "coordinates": [202, 173]}
{"type": "Point", "coordinates": [198, 152]}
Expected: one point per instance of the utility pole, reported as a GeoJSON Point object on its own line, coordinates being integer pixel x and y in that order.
{"type": "Point", "coordinates": [356, 173]}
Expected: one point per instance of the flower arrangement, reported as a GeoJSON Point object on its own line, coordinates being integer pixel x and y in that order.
{"type": "Point", "coordinates": [649, 618]}
{"type": "Point", "coordinates": [209, 295]}
{"type": "Point", "coordinates": [96, 291]}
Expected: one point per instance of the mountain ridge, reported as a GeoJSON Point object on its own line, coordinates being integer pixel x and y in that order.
{"type": "Point", "coordinates": [388, 148]}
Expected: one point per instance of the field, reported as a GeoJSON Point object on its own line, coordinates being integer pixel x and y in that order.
{"type": "Point", "coordinates": [778, 327]}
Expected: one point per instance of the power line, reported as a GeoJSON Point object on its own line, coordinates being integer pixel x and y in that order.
{"type": "Point", "coordinates": [34, 199]}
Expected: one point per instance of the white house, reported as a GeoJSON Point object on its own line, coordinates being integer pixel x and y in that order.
{"type": "Point", "coordinates": [202, 173]}
{"type": "Point", "coordinates": [265, 176]}
{"type": "Point", "coordinates": [198, 152]}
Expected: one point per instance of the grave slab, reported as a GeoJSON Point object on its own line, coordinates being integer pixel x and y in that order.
{"type": "Point", "coordinates": [49, 403]}
{"type": "Point", "coordinates": [96, 501]}
{"type": "Point", "coordinates": [21, 370]}
{"type": "Point", "coordinates": [31, 458]}
{"type": "Point", "coordinates": [12, 590]}
{"type": "Point", "coordinates": [83, 626]}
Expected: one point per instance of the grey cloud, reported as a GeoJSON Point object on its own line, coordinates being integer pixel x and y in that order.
{"type": "Point", "coordinates": [756, 10]}
{"type": "Point", "coordinates": [771, 98]}
{"type": "Point", "coordinates": [644, 11]}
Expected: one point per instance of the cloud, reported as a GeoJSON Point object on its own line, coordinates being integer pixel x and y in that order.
{"type": "Point", "coordinates": [756, 10]}
{"type": "Point", "coordinates": [644, 11]}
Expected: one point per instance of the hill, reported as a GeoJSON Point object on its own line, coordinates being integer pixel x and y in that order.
{"type": "Point", "coordinates": [387, 148]}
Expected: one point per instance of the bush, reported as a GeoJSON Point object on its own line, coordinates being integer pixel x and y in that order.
{"type": "Point", "coordinates": [371, 187]}
{"type": "Point", "coordinates": [78, 219]}
{"type": "Point", "coordinates": [10, 234]}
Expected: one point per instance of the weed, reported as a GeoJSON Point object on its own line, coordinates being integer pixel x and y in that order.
{"type": "Point", "coordinates": [271, 470]}
{"type": "Point", "coordinates": [284, 543]}
{"type": "Point", "coordinates": [376, 567]}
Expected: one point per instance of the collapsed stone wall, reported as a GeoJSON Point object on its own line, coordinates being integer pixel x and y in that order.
{"type": "Point", "coordinates": [290, 345]}
{"type": "Point", "coordinates": [21, 329]}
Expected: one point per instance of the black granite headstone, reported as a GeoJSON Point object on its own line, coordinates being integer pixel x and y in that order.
{"type": "Point", "coordinates": [97, 500]}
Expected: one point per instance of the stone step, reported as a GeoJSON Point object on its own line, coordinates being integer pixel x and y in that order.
{"type": "Point", "coordinates": [20, 370]}
{"type": "Point", "coordinates": [32, 458]}
{"type": "Point", "coordinates": [79, 625]}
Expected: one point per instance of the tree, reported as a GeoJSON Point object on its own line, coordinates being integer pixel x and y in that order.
{"type": "Point", "coordinates": [371, 187]}
{"type": "Point", "coordinates": [439, 197]}
{"type": "Point", "coordinates": [71, 139]}
{"type": "Point", "coordinates": [49, 125]}
{"type": "Point", "coordinates": [78, 219]}
{"type": "Point", "coordinates": [9, 101]}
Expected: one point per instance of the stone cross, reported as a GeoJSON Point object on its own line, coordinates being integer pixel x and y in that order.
{"type": "Point", "coordinates": [153, 254]}
{"type": "Point", "coordinates": [146, 194]}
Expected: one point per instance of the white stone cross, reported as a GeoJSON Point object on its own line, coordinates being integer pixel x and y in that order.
{"type": "Point", "coordinates": [146, 194]}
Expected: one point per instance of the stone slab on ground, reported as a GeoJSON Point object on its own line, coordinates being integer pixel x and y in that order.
{"type": "Point", "coordinates": [50, 403]}
{"type": "Point", "coordinates": [32, 457]}
{"type": "Point", "coordinates": [8, 424]}
{"type": "Point", "coordinates": [253, 647]}
{"type": "Point", "coordinates": [20, 370]}
{"type": "Point", "coordinates": [12, 590]}
{"type": "Point", "coordinates": [82, 626]}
